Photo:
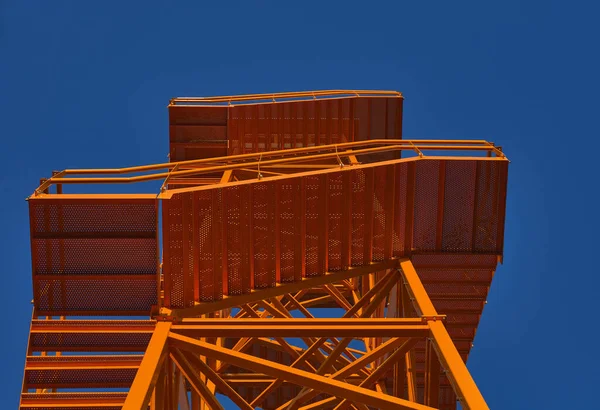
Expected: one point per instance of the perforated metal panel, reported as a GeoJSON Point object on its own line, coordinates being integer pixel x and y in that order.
{"type": "Point", "coordinates": [28, 400]}
{"type": "Point", "coordinates": [362, 182]}
{"type": "Point", "coordinates": [263, 235]}
{"type": "Point", "coordinates": [94, 256]}
{"type": "Point", "coordinates": [426, 209]}
{"type": "Point", "coordinates": [192, 248]}
{"type": "Point", "coordinates": [204, 131]}
{"type": "Point", "coordinates": [335, 212]}
{"type": "Point", "coordinates": [78, 378]}
{"type": "Point", "coordinates": [287, 229]}
{"type": "Point", "coordinates": [426, 205]}
{"type": "Point", "coordinates": [315, 226]}
{"type": "Point", "coordinates": [285, 125]}
{"type": "Point", "coordinates": [310, 224]}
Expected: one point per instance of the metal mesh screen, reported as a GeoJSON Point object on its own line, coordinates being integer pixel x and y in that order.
{"type": "Point", "coordinates": [86, 296]}
{"type": "Point", "coordinates": [94, 256]}
{"type": "Point", "coordinates": [48, 397]}
{"type": "Point", "coordinates": [263, 234]}
{"type": "Point", "coordinates": [289, 236]}
{"type": "Point", "coordinates": [335, 211]}
{"type": "Point", "coordinates": [320, 222]}
{"type": "Point", "coordinates": [426, 205]}
{"type": "Point", "coordinates": [359, 201]}
{"type": "Point", "coordinates": [314, 225]}
{"type": "Point", "coordinates": [102, 342]}
{"type": "Point", "coordinates": [73, 378]}
{"type": "Point", "coordinates": [458, 212]}
{"type": "Point", "coordinates": [268, 127]}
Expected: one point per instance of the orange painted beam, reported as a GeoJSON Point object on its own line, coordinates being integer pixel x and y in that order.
{"type": "Point", "coordinates": [300, 377]}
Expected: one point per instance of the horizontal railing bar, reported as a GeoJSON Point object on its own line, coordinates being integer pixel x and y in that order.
{"type": "Point", "coordinates": [307, 154]}
{"type": "Point", "coordinates": [285, 152]}
{"type": "Point", "coordinates": [298, 94]}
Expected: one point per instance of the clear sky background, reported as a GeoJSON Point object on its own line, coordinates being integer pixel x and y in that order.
{"type": "Point", "coordinates": [86, 84]}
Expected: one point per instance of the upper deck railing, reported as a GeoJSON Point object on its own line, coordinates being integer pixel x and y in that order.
{"type": "Point", "coordinates": [247, 99]}
{"type": "Point", "coordinates": [258, 165]}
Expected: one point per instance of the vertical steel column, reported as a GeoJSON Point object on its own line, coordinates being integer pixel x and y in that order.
{"type": "Point", "coordinates": [457, 372]}
{"type": "Point", "coordinates": [147, 375]}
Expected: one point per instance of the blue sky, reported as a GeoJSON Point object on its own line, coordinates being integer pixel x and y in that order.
{"type": "Point", "coordinates": [86, 84]}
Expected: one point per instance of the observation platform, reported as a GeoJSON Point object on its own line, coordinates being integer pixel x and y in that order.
{"type": "Point", "coordinates": [260, 200]}
{"type": "Point", "coordinates": [231, 125]}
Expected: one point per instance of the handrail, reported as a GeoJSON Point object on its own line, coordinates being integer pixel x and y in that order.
{"type": "Point", "coordinates": [287, 96]}
{"type": "Point", "coordinates": [269, 158]}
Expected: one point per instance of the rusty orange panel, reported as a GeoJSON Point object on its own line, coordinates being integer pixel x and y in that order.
{"type": "Point", "coordinates": [197, 133]}
{"type": "Point", "coordinates": [252, 235]}
{"type": "Point", "coordinates": [94, 256]}
{"type": "Point", "coordinates": [90, 335]}
{"type": "Point", "coordinates": [268, 127]}
{"type": "Point", "coordinates": [202, 131]}
{"type": "Point", "coordinates": [80, 371]}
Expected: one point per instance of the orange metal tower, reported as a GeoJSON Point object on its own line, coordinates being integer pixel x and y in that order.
{"type": "Point", "coordinates": [299, 255]}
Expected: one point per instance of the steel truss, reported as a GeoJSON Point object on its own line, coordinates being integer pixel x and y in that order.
{"type": "Point", "coordinates": [390, 317]}
{"type": "Point", "coordinates": [260, 344]}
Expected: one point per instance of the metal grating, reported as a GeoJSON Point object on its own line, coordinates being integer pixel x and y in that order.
{"type": "Point", "coordinates": [314, 225]}
{"type": "Point", "coordinates": [359, 208]}
{"type": "Point", "coordinates": [426, 205]}
{"type": "Point", "coordinates": [235, 228]}
{"type": "Point", "coordinates": [335, 211]}
{"type": "Point", "coordinates": [400, 209]}
{"type": "Point", "coordinates": [204, 131]}
{"type": "Point", "coordinates": [459, 206]}
{"type": "Point", "coordinates": [263, 235]}
{"type": "Point", "coordinates": [101, 247]}
{"type": "Point", "coordinates": [89, 335]}
{"type": "Point", "coordinates": [310, 224]}
{"type": "Point", "coordinates": [285, 125]}
{"type": "Point", "coordinates": [287, 228]}
{"type": "Point", "coordinates": [112, 295]}
{"type": "Point", "coordinates": [77, 378]}
{"type": "Point", "coordinates": [95, 401]}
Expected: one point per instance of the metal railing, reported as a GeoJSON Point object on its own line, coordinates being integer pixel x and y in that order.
{"type": "Point", "coordinates": [229, 100]}
{"type": "Point", "coordinates": [343, 154]}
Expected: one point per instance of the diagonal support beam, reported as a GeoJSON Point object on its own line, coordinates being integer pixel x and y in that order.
{"type": "Point", "coordinates": [338, 297]}
{"type": "Point", "coordinates": [148, 372]}
{"type": "Point", "coordinates": [244, 342]}
{"type": "Point", "coordinates": [370, 357]}
{"type": "Point", "coordinates": [298, 362]}
{"type": "Point", "coordinates": [380, 371]}
{"type": "Point", "coordinates": [197, 384]}
{"type": "Point", "coordinates": [280, 290]}
{"type": "Point", "coordinates": [317, 382]}
{"type": "Point", "coordinates": [200, 367]}
{"type": "Point", "coordinates": [277, 311]}
{"type": "Point", "coordinates": [278, 305]}
{"type": "Point", "coordinates": [356, 310]}
{"type": "Point", "coordinates": [403, 347]}
{"type": "Point", "coordinates": [388, 281]}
